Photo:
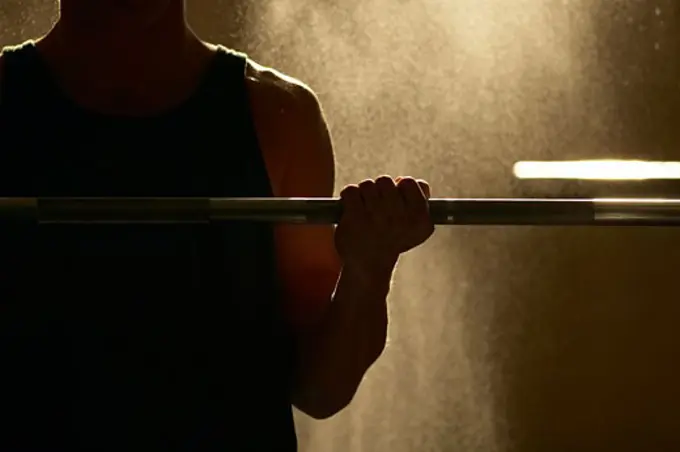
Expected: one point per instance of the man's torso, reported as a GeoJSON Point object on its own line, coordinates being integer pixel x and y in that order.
{"type": "Point", "coordinates": [142, 328]}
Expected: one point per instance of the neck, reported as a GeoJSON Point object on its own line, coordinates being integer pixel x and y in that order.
{"type": "Point", "coordinates": [157, 64]}
{"type": "Point", "coordinates": [121, 45]}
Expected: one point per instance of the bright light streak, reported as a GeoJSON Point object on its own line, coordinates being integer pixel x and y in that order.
{"type": "Point", "coordinates": [598, 170]}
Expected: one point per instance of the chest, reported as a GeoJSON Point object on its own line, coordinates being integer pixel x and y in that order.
{"type": "Point", "coordinates": [198, 153]}
{"type": "Point", "coordinates": [65, 154]}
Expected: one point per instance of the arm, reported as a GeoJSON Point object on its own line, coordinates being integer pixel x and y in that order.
{"type": "Point", "coordinates": [340, 314]}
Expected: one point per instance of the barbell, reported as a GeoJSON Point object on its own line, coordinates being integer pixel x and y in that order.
{"type": "Point", "coordinates": [444, 211]}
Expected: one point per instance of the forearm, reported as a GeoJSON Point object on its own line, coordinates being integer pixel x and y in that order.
{"type": "Point", "coordinates": [334, 356]}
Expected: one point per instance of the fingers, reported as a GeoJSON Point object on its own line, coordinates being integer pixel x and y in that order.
{"type": "Point", "coordinates": [369, 193]}
{"type": "Point", "coordinates": [424, 186]}
{"type": "Point", "coordinates": [386, 186]}
{"type": "Point", "coordinates": [391, 198]}
{"type": "Point", "coordinates": [387, 199]}
{"type": "Point", "coordinates": [415, 201]}
{"type": "Point", "coordinates": [352, 201]}
{"type": "Point", "coordinates": [384, 217]}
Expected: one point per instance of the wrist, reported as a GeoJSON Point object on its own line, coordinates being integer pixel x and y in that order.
{"type": "Point", "coordinates": [373, 274]}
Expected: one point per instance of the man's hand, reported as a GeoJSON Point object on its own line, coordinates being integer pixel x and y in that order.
{"type": "Point", "coordinates": [381, 219]}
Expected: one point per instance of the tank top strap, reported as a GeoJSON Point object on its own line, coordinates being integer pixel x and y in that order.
{"type": "Point", "coordinates": [227, 89]}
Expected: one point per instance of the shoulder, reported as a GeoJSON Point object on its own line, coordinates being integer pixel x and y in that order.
{"type": "Point", "coordinates": [13, 49]}
{"type": "Point", "coordinates": [4, 51]}
{"type": "Point", "coordinates": [291, 129]}
{"type": "Point", "coordinates": [288, 96]}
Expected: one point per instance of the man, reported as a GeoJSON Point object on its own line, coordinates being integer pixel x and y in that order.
{"type": "Point", "coordinates": [180, 337]}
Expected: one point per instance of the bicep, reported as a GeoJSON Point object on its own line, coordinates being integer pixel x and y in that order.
{"type": "Point", "coordinates": [308, 264]}
{"type": "Point", "coordinates": [308, 270]}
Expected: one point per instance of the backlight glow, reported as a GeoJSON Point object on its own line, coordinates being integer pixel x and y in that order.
{"type": "Point", "coordinates": [598, 170]}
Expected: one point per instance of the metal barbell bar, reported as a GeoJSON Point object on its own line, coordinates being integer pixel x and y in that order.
{"type": "Point", "coordinates": [444, 211]}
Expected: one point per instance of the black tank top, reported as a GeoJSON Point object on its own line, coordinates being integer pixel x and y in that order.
{"type": "Point", "coordinates": [138, 337]}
